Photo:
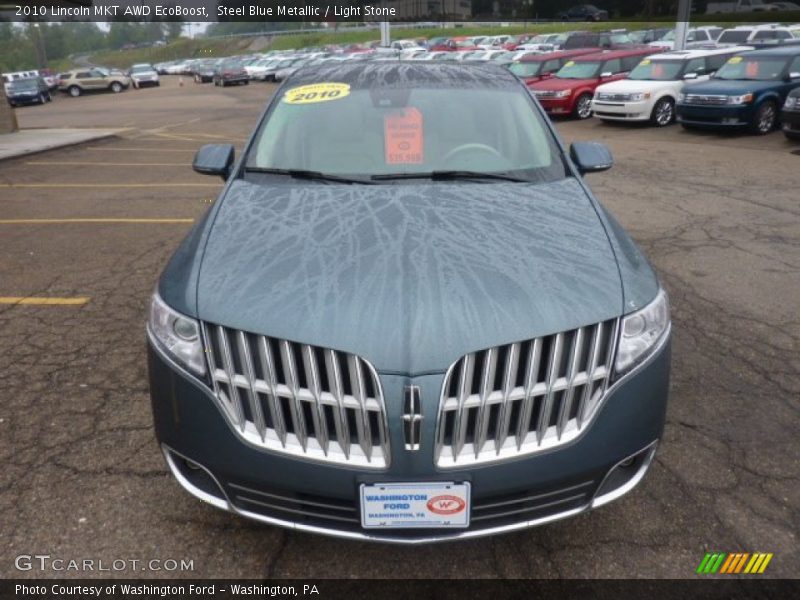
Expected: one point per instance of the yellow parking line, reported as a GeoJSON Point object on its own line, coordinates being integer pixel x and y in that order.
{"type": "Point", "coordinates": [104, 164]}
{"type": "Point", "coordinates": [105, 185]}
{"type": "Point", "coordinates": [33, 300]}
{"type": "Point", "coordinates": [60, 221]}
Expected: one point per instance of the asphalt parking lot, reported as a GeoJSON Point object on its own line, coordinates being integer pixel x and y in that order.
{"type": "Point", "coordinates": [88, 228]}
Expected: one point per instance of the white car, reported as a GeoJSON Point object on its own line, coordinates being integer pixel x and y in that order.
{"type": "Point", "coordinates": [144, 74]}
{"type": "Point", "coordinates": [745, 34]}
{"type": "Point", "coordinates": [696, 37]}
{"type": "Point", "coordinates": [650, 91]}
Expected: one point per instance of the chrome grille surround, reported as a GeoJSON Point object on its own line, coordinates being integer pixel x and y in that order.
{"type": "Point", "coordinates": [306, 401]}
{"type": "Point", "coordinates": [705, 99]}
{"type": "Point", "coordinates": [545, 93]}
{"type": "Point", "coordinates": [523, 398]}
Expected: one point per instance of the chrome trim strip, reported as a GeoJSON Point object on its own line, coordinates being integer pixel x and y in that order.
{"type": "Point", "coordinates": [631, 483]}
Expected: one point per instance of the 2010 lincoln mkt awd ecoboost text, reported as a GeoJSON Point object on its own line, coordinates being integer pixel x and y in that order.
{"type": "Point", "coordinates": [407, 318]}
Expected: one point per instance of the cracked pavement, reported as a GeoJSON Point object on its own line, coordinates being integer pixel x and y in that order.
{"type": "Point", "coordinates": [718, 215]}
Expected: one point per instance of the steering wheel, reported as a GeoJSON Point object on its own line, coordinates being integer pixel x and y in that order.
{"type": "Point", "coordinates": [473, 147]}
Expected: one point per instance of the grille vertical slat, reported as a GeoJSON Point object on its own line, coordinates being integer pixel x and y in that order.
{"type": "Point", "coordinates": [509, 378]}
{"type": "Point", "coordinates": [249, 373]}
{"type": "Point", "coordinates": [339, 412]}
{"type": "Point", "coordinates": [227, 362]}
{"type": "Point", "coordinates": [552, 374]}
{"type": "Point", "coordinates": [295, 409]}
{"type": "Point", "coordinates": [487, 381]}
{"type": "Point", "coordinates": [318, 413]}
{"type": "Point", "coordinates": [524, 397]}
{"type": "Point", "coordinates": [298, 399]}
{"type": "Point", "coordinates": [362, 424]}
{"type": "Point", "coordinates": [566, 404]}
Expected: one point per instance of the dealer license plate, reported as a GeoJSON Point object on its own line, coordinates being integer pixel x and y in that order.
{"type": "Point", "coordinates": [415, 505]}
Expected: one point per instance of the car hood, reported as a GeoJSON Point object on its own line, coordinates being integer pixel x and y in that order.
{"type": "Point", "coordinates": [410, 277]}
{"type": "Point", "coordinates": [556, 83]}
{"type": "Point", "coordinates": [634, 86]}
{"type": "Point", "coordinates": [729, 86]}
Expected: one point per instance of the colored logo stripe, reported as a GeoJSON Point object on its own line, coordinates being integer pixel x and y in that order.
{"type": "Point", "coordinates": [734, 563]}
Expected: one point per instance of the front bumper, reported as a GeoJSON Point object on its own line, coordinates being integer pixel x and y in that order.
{"type": "Point", "coordinates": [211, 462]}
{"type": "Point", "coordinates": [790, 120]}
{"type": "Point", "coordinates": [556, 106]}
{"type": "Point", "coordinates": [23, 100]}
{"type": "Point", "coordinates": [622, 111]}
{"type": "Point", "coordinates": [714, 116]}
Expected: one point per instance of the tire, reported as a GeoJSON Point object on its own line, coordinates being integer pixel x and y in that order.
{"type": "Point", "coordinates": [75, 91]}
{"type": "Point", "coordinates": [765, 119]}
{"type": "Point", "coordinates": [41, 98]}
{"type": "Point", "coordinates": [663, 112]}
{"type": "Point", "coordinates": [197, 79]}
{"type": "Point", "coordinates": [115, 87]}
{"type": "Point", "coordinates": [49, 97]}
{"type": "Point", "coordinates": [247, 82]}
{"type": "Point", "coordinates": [583, 107]}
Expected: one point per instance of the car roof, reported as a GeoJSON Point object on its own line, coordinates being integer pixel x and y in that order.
{"type": "Point", "coordinates": [558, 54]}
{"type": "Point", "coordinates": [622, 53]}
{"type": "Point", "coordinates": [394, 73]}
{"type": "Point", "coordinates": [698, 53]}
{"type": "Point", "coordinates": [788, 51]}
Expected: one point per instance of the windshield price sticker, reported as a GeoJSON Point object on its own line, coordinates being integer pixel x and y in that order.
{"type": "Point", "coordinates": [646, 62]}
{"type": "Point", "coordinates": [404, 137]}
{"type": "Point", "coordinates": [415, 505]}
{"type": "Point", "coordinates": [316, 92]}
{"type": "Point", "coordinates": [569, 64]}
{"type": "Point", "coordinates": [735, 60]}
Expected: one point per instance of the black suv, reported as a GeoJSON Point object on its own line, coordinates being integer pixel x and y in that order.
{"type": "Point", "coordinates": [32, 90]}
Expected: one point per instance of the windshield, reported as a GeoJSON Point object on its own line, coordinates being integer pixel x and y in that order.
{"type": "Point", "coordinates": [329, 128]}
{"type": "Point", "coordinates": [752, 68]}
{"type": "Point", "coordinates": [657, 70]}
{"type": "Point", "coordinates": [526, 69]}
{"type": "Point", "coordinates": [734, 36]}
{"type": "Point", "coordinates": [141, 68]}
{"type": "Point", "coordinates": [579, 70]}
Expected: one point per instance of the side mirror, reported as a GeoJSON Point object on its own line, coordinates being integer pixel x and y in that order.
{"type": "Point", "coordinates": [591, 157]}
{"type": "Point", "coordinates": [214, 159]}
{"type": "Point", "coordinates": [606, 74]}
{"type": "Point", "coordinates": [690, 76]}
{"type": "Point", "coordinates": [794, 75]}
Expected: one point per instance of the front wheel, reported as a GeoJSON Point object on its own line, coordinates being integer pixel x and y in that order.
{"type": "Point", "coordinates": [663, 112]}
{"type": "Point", "coordinates": [583, 106]}
{"type": "Point", "coordinates": [74, 91]}
{"type": "Point", "coordinates": [41, 98]}
{"type": "Point", "coordinates": [116, 87]}
{"type": "Point", "coordinates": [765, 118]}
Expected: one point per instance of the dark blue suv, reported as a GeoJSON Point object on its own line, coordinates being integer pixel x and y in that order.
{"type": "Point", "coordinates": [747, 91]}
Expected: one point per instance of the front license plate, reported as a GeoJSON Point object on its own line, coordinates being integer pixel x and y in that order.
{"type": "Point", "coordinates": [415, 505]}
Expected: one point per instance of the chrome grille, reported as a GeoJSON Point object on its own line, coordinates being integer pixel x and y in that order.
{"type": "Point", "coordinates": [607, 96]}
{"type": "Point", "coordinates": [298, 399]}
{"type": "Point", "coordinates": [705, 100]}
{"type": "Point", "coordinates": [524, 397]}
{"type": "Point", "coordinates": [544, 93]}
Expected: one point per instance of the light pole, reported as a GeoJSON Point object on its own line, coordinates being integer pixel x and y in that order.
{"type": "Point", "coordinates": [38, 44]}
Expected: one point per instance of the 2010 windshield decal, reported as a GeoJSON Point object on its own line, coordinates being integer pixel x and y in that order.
{"type": "Point", "coordinates": [316, 92]}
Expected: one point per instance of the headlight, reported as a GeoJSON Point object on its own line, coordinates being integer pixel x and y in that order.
{"type": "Point", "coordinates": [638, 97]}
{"type": "Point", "coordinates": [178, 335]}
{"type": "Point", "coordinates": [790, 102]}
{"type": "Point", "coordinates": [641, 331]}
{"type": "Point", "coordinates": [743, 99]}
{"type": "Point", "coordinates": [562, 93]}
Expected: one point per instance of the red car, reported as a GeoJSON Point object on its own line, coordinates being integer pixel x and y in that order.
{"type": "Point", "coordinates": [456, 44]}
{"type": "Point", "coordinates": [534, 68]}
{"type": "Point", "coordinates": [570, 90]}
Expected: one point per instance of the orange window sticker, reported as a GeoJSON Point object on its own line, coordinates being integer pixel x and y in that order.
{"type": "Point", "coordinates": [751, 69]}
{"type": "Point", "coordinates": [405, 138]}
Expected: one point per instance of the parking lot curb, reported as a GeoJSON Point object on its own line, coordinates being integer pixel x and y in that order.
{"type": "Point", "coordinates": [33, 141]}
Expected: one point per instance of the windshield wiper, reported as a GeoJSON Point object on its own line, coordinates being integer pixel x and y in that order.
{"type": "Point", "coordinates": [305, 174]}
{"type": "Point", "coordinates": [449, 175]}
